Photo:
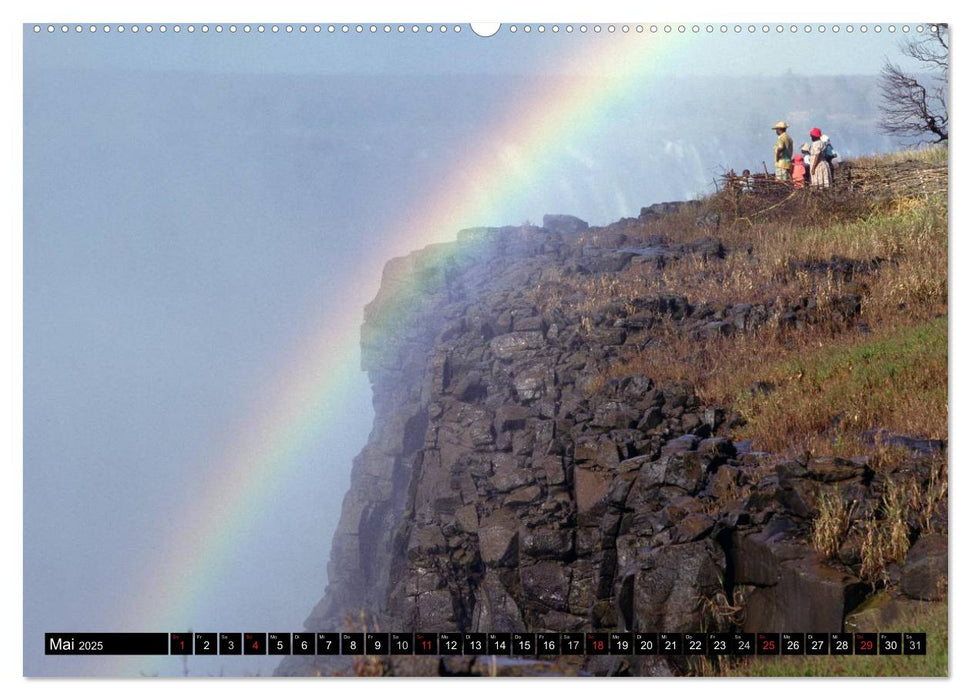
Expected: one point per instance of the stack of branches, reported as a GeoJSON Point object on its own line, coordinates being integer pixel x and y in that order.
{"type": "Point", "coordinates": [738, 198]}
{"type": "Point", "coordinates": [765, 198]}
{"type": "Point", "coordinates": [758, 185]}
{"type": "Point", "coordinates": [906, 178]}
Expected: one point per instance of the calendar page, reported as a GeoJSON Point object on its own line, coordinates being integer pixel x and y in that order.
{"type": "Point", "coordinates": [517, 349]}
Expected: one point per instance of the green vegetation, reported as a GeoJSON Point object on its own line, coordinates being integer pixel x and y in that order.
{"type": "Point", "coordinates": [930, 155]}
{"type": "Point", "coordinates": [897, 381]}
{"type": "Point", "coordinates": [931, 619]}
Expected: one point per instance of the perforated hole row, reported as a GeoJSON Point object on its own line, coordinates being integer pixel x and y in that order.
{"type": "Point", "coordinates": [456, 29]}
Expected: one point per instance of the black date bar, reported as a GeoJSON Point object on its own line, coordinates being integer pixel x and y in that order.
{"type": "Point", "coordinates": [104, 643]}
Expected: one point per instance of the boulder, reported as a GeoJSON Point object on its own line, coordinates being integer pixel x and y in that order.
{"type": "Point", "coordinates": [523, 496]}
{"type": "Point", "coordinates": [830, 469]}
{"type": "Point", "coordinates": [553, 468]}
{"type": "Point", "coordinates": [668, 590]}
{"type": "Point", "coordinates": [495, 608]}
{"type": "Point", "coordinates": [598, 450]}
{"type": "Point", "coordinates": [426, 541]}
{"type": "Point", "coordinates": [564, 224]}
{"type": "Point", "coordinates": [599, 263]}
{"type": "Point", "coordinates": [924, 572]}
{"type": "Point", "coordinates": [723, 484]}
{"type": "Point", "coordinates": [435, 610]}
{"type": "Point", "coordinates": [810, 596]}
{"type": "Point", "coordinates": [528, 323]}
{"type": "Point", "coordinates": [615, 415]}
{"type": "Point", "coordinates": [467, 519]}
{"type": "Point", "coordinates": [693, 527]}
{"type": "Point", "coordinates": [509, 474]}
{"type": "Point", "coordinates": [510, 345]}
{"type": "Point", "coordinates": [498, 539]}
{"type": "Point", "coordinates": [716, 451]}
{"type": "Point", "coordinates": [530, 384]}
{"type": "Point", "coordinates": [883, 611]}
{"type": "Point", "coordinates": [546, 543]}
{"type": "Point", "coordinates": [558, 621]}
{"type": "Point", "coordinates": [758, 555]}
{"type": "Point", "coordinates": [511, 417]}
{"type": "Point", "coordinates": [680, 445]}
{"type": "Point", "coordinates": [481, 433]}
{"type": "Point", "coordinates": [547, 582]}
{"type": "Point", "coordinates": [684, 470]}
{"type": "Point", "coordinates": [590, 489]}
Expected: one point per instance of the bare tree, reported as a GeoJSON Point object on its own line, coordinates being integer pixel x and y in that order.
{"type": "Point", "coordinates": [915, 106]}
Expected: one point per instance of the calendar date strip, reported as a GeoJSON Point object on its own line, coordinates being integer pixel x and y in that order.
{"type": "Point", "coordinates": [539, 644]}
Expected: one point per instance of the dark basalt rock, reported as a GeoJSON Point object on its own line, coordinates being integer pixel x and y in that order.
{"type": "Point", "coordinates": [830, 469]}
{"type": "Point", "coordinates": [513, 482]}
{"type": "Point", "coordinates": [564, 224]}
{"type": "Point", "coordinates": [924, 572]}
{"type": "Point", "coordinates": [808, 595]}
{"type": "Point", "coordinates": [668, 587]}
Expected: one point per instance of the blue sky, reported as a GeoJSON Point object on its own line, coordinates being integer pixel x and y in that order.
{"type": "Point", "coordinates": [102, 308]}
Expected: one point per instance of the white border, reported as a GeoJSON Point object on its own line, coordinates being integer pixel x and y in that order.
{"type": "Point", "coordinates": [603, 11]}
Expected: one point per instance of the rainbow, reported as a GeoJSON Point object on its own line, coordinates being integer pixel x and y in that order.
{"type": "Point", "coordinates": [314, 378]}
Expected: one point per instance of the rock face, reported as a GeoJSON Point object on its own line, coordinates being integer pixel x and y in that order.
{"type": "Point", "coordinates": [508, 486]}
{"type": "Point", "coordinates": [564, 223]}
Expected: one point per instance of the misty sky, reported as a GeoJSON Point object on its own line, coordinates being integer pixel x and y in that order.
{"type": "Point", "coordinates": [197, 206]}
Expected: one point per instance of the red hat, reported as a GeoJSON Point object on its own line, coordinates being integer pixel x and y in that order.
{"type": "Point", "coordinates": [797, 158]}
{"type": "Point", "coordinates": [815, 132]}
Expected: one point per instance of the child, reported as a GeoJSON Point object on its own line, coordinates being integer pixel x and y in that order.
{"type": "Point", "coordinates": [798, 172]}
{"type": "Point", "coordinates": [748, 182]}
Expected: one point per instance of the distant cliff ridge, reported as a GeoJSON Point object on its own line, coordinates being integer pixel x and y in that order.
{"type": "Point", "coordinates": [516, 480]}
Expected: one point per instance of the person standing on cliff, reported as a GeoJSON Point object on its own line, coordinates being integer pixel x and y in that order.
{"type": "Point", "coordinates": [804, 150]}
{"type": "Point", "coordinates": [798, 172]}
{"type": "Point", "coordinates": [819, 168]}
{"type": "Point", "coordinates": [783, 152]}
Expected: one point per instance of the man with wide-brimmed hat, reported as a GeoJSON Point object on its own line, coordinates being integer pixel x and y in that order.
{"type": "Point", "coordinates": [783, 152]}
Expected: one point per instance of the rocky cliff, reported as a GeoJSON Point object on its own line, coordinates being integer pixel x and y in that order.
{"type": "Point", "coordinates": [515, 481]}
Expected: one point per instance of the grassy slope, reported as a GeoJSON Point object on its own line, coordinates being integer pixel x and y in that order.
{"type": "Point", "coordinates": [830, 381]}
{"type": "Point", "coordinates": [895, 378]}
{"type": "Point", "coordinates": [932, 621]}
{"type": "Point", "coordinates": [893, 375]}
{"type": "Point", "coordinates": [829, 390]}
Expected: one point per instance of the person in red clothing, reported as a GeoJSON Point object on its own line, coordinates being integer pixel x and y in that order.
{"type": "Point", "coordinates": [819, 168]}
{"type": "Point", "coordinates": [798, 172]}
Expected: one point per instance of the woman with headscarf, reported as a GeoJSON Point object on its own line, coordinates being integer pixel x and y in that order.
{"type": "Point", "coordinates": [819, 169]}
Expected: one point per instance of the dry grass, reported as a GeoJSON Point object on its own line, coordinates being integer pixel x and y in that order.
{"type": "Point", "coordinates": [886, 536]}
{"type": "Point", "coordinates": [831, 524]}
{"type": "Point", "coordinates": [822, 389]}
{"type": "Point", "coordinates": [930, 499]}
{"type": "Point", "coordinates": [829, 381]}
{"type": "Point", "coordinates": [893, 377]}
{"type": "Point", "coordinates": [929, 155]}
{"type": "Point", "coordinates": [909, 507]}
{"type": "Point", "coordinates": [766, 263]}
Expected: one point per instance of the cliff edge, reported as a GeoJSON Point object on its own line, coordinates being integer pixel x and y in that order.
{"type": "Point", "coordinates": [574, 432]}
